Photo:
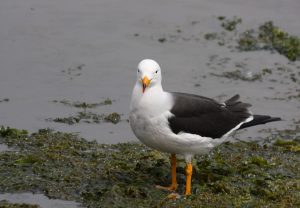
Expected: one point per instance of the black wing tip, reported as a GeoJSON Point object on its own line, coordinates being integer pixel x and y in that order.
{"type": "Point", "coordinates": [260, 119]}
{"type": "Point", "coordinates": [266, 118]}
{"type": "Point", "coordinates": [276, 119]}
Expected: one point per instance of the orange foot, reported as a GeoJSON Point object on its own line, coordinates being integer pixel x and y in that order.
{"type": "Point", "coordinates": [173, 196]}
{"type": "Point", "coordinates": [173, 187]}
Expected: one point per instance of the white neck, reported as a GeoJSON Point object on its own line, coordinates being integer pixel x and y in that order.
{"type": "Point", "coordinates": [153, 99]}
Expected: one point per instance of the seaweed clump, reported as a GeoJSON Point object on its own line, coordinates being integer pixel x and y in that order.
{"type": "Point", "coordinates": [230, 24]}
{"type": "Point", "coordinates": [266, 37]}
{"type": "Point", "coordinates": [84, 105]}
{"type": "Point", "coordinates": [211, 36]}
{"type": "Point", "coordinates": [4, 100]}
{"type": "Point", "coordinates": [289, 145]}
{"type": "Point", "coordinates": [6, 204]}
{"type": "Point", "coordinates": [12, 132]}
{"type": "Point", "coordinates": [270, 37]}
{"type": "Point", "coordinates": [86, 116]}
{"type": "Point", "coordinates": [113, 118]}
{"type": "Point", "coordinates": [63, 166]}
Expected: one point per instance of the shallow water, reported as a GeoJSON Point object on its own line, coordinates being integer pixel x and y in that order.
{"type": "Point", "coordinates": [39, 199]}
{"type": "Point", "coordinates": [43, 43]}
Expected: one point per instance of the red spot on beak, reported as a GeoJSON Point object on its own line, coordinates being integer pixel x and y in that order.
{"type": "Point", "coordinates": [145, 83]}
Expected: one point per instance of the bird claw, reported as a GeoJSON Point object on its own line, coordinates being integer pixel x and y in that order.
{"type": "Point", "coordinates": [173, 196]}
{"type": "Point", "coordinates": [168, 188]}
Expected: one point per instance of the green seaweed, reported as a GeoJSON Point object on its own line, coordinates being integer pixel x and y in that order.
{"type": "Point", "coordinates": [266, 71]}
{"type": "Point", "coordinates": [12, 132]}
{"type": "Point", "coordinates": [84, 105]}
{"type": "Point", "coordinates": [221, 18]}
{"type": "Point", "coordinates": [290, 145]}
{"type": "Point", "coordinates": [211, 36]}
{"type": "Point", "coordinates": [6, 204]}
{"type": "Point", "coordinates": [230, 24]}
{"type": "Point", "coordinates": [162, 40]}
{"type": "Point", "coordinates": [266, 37]}
{"type": "Point", "coordinates": [270, 37]}
{"type": "Point", "coordinates": [64, 166]}
{"type": "Point", "coordinates": [113, 118]}
{"type": "Point", "coordinates": [225, 36]}
{"type": "Point", "coordinates": [259, 161]}
{"type": "Point", "coordinates": [87, 117]}
{"type": "Point", "coordinates": [248, 41]}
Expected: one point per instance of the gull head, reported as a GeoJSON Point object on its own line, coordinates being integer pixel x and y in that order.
{"type": "Point", "coordinates": [148, 74]}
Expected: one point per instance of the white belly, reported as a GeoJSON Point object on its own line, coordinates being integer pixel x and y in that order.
{"type": "Point", "coordinates": [155, 133]}
{"type": "Point", "coordinates": [151, 131]}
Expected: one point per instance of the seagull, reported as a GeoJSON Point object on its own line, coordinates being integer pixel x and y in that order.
{"type": "Point", "coordinates": [180, 123]}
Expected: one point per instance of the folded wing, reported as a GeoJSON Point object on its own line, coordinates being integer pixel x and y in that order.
{"type": "Point", "coordinates": [206, 117]}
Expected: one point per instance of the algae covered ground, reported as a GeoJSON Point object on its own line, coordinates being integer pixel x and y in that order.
{"type": "Point", "coordinates": [64, 166]}
{"type": "Point", "coordinates": [6, 204]}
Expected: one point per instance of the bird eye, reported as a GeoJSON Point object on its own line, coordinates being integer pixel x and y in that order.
{"type": "Point", "coordinates": [138, 71]}
{"type": "Point", "coordinates": [156, 71]}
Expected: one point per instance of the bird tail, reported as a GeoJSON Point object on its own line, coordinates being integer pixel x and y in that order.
{"type": "Point", "coordinates": [239, 108]}
{"type": "Point", "coordinates": [236, 105]}
{"type": "Point", "coordinates": [258, 120]}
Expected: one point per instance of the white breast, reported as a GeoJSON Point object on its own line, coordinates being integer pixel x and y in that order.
{"type": "Point", "coordinates": [149, 115]}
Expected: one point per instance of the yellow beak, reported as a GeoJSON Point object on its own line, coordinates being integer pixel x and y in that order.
{"type": "Point", "coordinates": [145, 82]}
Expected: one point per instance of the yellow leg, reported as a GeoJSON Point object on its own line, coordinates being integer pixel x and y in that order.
{"type": "Point", "coordinates": [173, 186]}
{"type": "Point", "coordinates": [188, 171]}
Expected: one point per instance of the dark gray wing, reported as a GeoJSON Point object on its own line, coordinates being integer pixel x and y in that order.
{"type": "Point", "coordinates": [206, 117]}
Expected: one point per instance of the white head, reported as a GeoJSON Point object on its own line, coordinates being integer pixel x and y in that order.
{"type": "Point", "coordinates": [148, 74]}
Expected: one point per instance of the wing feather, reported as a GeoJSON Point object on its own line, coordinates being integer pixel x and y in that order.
{"type": "Point", "coordinates": [206, 117]}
